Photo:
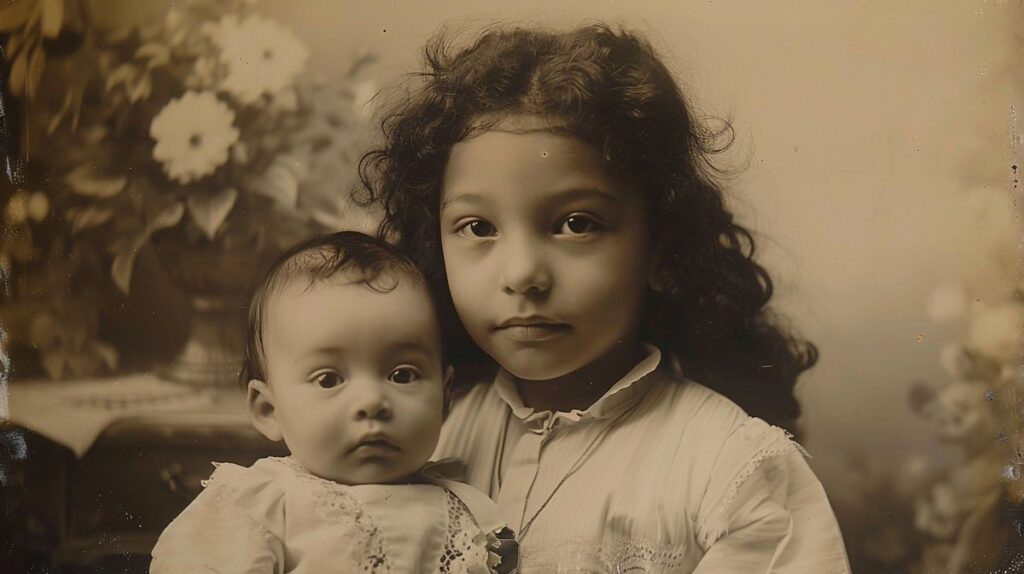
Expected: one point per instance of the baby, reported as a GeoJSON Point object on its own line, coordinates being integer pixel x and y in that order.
{"type": "Point", "coordinates": [344, 363]}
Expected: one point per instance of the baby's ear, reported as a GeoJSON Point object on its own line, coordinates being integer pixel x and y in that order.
{"type": "Point", "coordinates": [262, 413]}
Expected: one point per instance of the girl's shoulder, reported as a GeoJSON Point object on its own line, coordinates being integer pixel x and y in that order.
{"type": "Point", "coordinates": [716, 441]}
{"type": "Point", "coordinates": [698, 413]}
{"type": "Point", "coordinates": [726, 432]}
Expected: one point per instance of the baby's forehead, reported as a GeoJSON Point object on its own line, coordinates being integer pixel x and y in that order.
{"type": "Point", "coordinates": [385, 282]}
{"type": "Point", "coordinates": [354, 298]}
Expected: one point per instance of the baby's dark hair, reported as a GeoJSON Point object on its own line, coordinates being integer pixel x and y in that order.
{"type": "Point", "coordinates": [317, 258]}
{"type": "Point", "coordinates": [609, 89]}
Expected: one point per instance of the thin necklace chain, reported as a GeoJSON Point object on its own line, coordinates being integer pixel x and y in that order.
{"type": "Point", "coordinates": [572, 469]}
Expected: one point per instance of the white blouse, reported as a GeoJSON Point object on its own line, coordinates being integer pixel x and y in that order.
{"type": "Point", "coordinates": [661, 474]}
{"type": "Point", "coordinates": [277, 517]}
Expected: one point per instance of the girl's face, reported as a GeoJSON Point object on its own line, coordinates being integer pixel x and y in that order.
{"type": "Point", "coordinates": [355, 383]}
{"type": "Point", "coordinates": [546, 254]}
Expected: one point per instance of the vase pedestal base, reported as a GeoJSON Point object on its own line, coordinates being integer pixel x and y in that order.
{"type": "Point", "coordinates": [212, 354]}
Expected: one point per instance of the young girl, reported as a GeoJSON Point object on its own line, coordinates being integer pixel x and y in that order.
{"type": "Point", "coordinates": [557, 192]}
{"type": "Point", "coordinates": [344, 364]}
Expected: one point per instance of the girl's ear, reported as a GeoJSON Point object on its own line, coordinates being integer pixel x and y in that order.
{"type": "Point", "coordinates": [655, 275]}
{"type": "Point", "coordinates": [449, 375]}
{"type": "Point", "coordinates": [262, 413]}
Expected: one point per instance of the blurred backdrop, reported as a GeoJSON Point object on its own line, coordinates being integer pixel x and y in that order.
{"type": "Point", "coordinates": [875, 155]}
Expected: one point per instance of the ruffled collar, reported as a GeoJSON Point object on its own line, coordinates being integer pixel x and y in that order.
{"type": "Point", "coordinates": [620, 396]}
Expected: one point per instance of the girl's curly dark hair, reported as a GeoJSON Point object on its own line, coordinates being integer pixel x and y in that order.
{"type": "Point", "coordinates": [609, 89]}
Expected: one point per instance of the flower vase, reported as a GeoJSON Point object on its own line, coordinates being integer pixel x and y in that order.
{"type": "Point", "coordinates": [216, 282]}
{"type": "Point", "coordinates": [212, 354]}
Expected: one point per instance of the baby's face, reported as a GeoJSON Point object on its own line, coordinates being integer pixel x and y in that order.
{"type": "Point", "coordinates": [355, 377]}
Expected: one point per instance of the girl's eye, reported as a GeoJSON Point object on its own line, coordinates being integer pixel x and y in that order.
{"type": "Point", "coordinates": [478, 228]}
{"type": "Point", "coordinates": [328, 380]}
{"type": "Point", "coordinates": [578, 225]}
{"type": "Point", "coordinates": [404, 375]}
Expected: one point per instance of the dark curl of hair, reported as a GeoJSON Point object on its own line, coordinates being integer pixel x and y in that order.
{"type": "Point", "coordinates": [607, 88]}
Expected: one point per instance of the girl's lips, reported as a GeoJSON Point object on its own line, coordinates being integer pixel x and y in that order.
{"type": "Point", "coordinates": [532, 332]}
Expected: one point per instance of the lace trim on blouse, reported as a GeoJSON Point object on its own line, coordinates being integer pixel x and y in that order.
{"type": "Point", "coordinates": [633, 555]}
{"type": "Point", "coordinates": [716, 524]}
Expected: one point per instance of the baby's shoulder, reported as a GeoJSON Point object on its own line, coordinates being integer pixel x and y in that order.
{"type": "Point", "coordinates": [268, 476]}
{"type": "Point", "coordinates": [258, 491]}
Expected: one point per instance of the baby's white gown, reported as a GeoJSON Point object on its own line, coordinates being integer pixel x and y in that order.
{"type": "Point", "coordinates": [277, 517]}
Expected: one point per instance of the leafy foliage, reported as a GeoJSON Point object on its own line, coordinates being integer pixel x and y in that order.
{"type": "Point", "coordinates": [162, 133]}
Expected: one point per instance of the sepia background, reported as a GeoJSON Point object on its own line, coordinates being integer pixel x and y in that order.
{"type": "Point", "coordinates": [873, 161]}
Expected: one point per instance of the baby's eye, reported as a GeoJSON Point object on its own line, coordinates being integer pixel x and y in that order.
{"type": "Point", "coordinates": [404, 375]}
{"type": "Point", "coordinates": [328, 380]}
{"type": "Point", "coordinates": [477, 228]}
{"type": "Point", "coordinates": [578, 225]}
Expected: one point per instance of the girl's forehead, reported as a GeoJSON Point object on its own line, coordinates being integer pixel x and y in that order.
{"type": "Point", "coordinates": [535, 170]}
{"type": "Point", "coordinates": [518, 124]}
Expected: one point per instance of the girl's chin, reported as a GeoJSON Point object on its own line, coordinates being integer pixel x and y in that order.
{"type": "Point", "coordinates": [537, 371]}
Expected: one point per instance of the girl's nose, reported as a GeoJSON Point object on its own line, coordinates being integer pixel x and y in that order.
{"type": "Point", "coordinates": [369, 401]}
{"type": "Point", "coordinates": [524, 269]}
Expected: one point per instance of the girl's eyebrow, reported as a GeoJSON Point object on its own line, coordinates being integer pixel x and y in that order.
{"type": "Point", "coordinates": [563, 196]}
{"type": "Point", "coordinates": [589, 192]}
{"type": "Point", "coordinates": [470, 198]}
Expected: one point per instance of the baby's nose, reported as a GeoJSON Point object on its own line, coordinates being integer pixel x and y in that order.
{"type": "Point", "coordinates": [370, 402]}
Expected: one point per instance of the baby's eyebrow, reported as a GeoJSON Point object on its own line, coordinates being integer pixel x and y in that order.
{"type": "Point", "coordinates": [331, 351]}
{"type": "Point", "coordinates": [409, 347]}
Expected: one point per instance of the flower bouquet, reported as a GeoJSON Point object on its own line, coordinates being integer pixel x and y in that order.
{"type": "Point", "coordinates": [956, 504]}
{"type": "Point", "coordinates": [972, 513]}
{"type": "Point", "coordinates": [197, 138]}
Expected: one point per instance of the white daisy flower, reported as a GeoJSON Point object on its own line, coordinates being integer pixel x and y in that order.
{"type": "Point", "coordinates": [261, 56]}
{"type": "Point", "coordinates": [937, 513]}
{"type": "Point", "coordinates": [193, 134]}
{"type": "Point", "coordinates": [997, 331]}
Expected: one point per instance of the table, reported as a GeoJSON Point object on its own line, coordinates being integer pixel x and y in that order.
{"type": "Point", "coordinates": [75, 505]}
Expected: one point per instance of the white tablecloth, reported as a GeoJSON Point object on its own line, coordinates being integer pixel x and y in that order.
{"type": "Point", "coordinates": [75, 413]}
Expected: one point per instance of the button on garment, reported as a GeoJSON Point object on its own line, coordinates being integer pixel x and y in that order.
{"type": "Point", "coordinates": [659, 475]}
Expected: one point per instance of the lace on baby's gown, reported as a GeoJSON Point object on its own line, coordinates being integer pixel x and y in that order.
{"type": "Point", "coordinates": [466, 547]}
{"type": "Point", "coordinates": [469, 549]}
{"type": "Point", "coordinates": [335, 504]}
